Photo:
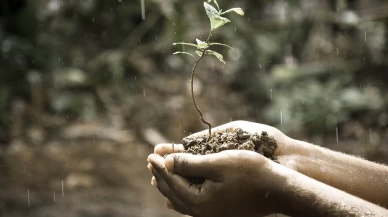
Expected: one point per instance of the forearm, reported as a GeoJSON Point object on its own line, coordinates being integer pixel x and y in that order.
{"type": "Point", "coordinates": [354, 175]}
{"type": "Point", "coordinates": [304, 196]}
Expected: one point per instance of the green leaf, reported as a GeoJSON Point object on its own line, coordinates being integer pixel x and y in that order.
{"type": "Point", "coordinates": [225, 45]}
{"type": "Point", "coordinates": [238, 11]}
{"type": "Point", "coordinates": [218, 21]}
{"type": "Point", "coordinates": [218, 55]}
{"type": "Point", "coordinates": [201, 44]}
{"type": "Point", "coordinates": [210, 10]}
{"type": "Point", "coordinates": [184, 43]}
{"type": "Point", "coordinates": [215, 2]}
{"type": "Point", "coordinates": [186, 53]}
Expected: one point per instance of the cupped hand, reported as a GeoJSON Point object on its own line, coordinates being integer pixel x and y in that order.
{"type": "Point", "coordinates": [251, 127]}
{"type": "Point", "coordinates": [236, 183]}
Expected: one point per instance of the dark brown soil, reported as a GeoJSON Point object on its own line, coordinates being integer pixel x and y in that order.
{"type": "Point", "coordinates": [238, 139]}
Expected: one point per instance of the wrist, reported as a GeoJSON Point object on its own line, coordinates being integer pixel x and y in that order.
{"type": "Point", "coordinates": [292, 192]}
{"type": "Point", "coordinates": [277, 192]}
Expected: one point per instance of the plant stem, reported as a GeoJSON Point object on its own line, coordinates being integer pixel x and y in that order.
{"type": "Point", "coordinates": [192, 87]}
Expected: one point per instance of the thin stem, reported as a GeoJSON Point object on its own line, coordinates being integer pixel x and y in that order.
{"type": "Point", "coordinates": [192, 87]}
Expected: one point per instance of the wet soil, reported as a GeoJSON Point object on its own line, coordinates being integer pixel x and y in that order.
{"type": "Point", "coordinates": [238, 139]}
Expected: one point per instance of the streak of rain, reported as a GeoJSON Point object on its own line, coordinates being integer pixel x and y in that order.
{"type": "Point", "coordinates": [281, 117]}
{"type": "Point", "coordinates": [63, 192]}
{"type": "Point", "coordinates": [336, 133]}
{"type": "Point", "coordinates": [28, 197]}
{"type": "Point", "coordinates": [143, 15]}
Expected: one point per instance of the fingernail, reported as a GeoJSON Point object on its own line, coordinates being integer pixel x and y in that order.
{"type": "Point", "coordinates": [153, 182]}
{"type": "Point", "coordinates": [169, 206]}
{"type": "Point", "coordinates": [149, 166]}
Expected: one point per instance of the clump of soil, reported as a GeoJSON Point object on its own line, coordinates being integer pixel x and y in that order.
{"type": "Point", "coordinates": [238, 139]}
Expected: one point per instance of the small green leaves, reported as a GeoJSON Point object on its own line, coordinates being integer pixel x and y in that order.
{"type": "Point", "coordinates": [218, 55]}
{"type": "Point", "coordinates": [225, 45]}
{"type": "Point", "coordinates": [210, 52]}
{"type": "Point", "coordinates": [215, 2]}
{"type": "Point", "coordinates": [201, 45]}
{"type": "Point", "coordinates": [218, 21]}
{"type": "Point", "coordinates": [184, 43]}
{"type": "Point", "coordinates": [185, 53]}
{"type": "Point", "coordinates": [210, 10]}
{"type": "Point", "coordinates": [238, 11]}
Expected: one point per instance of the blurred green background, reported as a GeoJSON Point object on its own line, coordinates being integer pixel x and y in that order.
{"type": "Point", "coordinates": [88, 87]}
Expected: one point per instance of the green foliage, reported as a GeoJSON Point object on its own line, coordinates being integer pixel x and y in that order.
{"type": "Point", "coordinates": [216, 21]}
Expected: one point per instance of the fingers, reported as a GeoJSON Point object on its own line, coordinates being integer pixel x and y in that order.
{"type": "Point", "coordinates": [164, 149]}
{"type": "Point", "coordinates": [188, 165]}
{"type": "Point", "coordinates": [169, 204]}
{"type": "Point", "coordinates": [162, 186]}
{"type": "Point", "coordinates": [176, 185]}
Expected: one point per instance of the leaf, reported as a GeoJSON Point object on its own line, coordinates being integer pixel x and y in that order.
{"type": "Point", "coordinates": [218, 55]}
{"type": "Point", "coordinates": [238, 11]}
{"type": "Point", "coordinates": [201, 44]}
{"type": "Point", "coordinates": [218, 21]}
{"type": "Point", "coordinates": [199, 53]}
{"type": "Point", "coordinates": [210, 10]}
{"type": "Point", "coordinates": [184, 43]}
{"type": "Point", "coordinates": [225, 45]}
{"type": "Point", "coordinates": [186, 53]}
{"type": "Point", "coordinates": [215, 2]}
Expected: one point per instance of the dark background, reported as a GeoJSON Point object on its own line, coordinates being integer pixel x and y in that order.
{"type": "Point", "coordinates": [88, 87]}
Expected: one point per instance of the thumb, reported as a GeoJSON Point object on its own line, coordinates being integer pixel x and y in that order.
{"type": "Point", "coordinates": [188, 165]}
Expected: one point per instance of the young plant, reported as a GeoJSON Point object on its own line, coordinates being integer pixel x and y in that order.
{"type": "Point", "coordinates": [203, 47]}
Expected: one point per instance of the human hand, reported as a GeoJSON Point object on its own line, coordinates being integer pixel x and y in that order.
{"type": "Point", "coordinates": [236, 183]}
{"type": "Point", "coordinates": [283, 141]}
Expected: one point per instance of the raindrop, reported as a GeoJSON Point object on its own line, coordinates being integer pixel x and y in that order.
{"type": "Point", "coordinates": [281, 117]}
{"type": "Point", "coordinates": [143, 16]}
{"type": "Point", "coordinates": [336, 133]}
{"type": "Point", "coordinates": [28, 197]}
{"type": "Point", "coordinates": [144, 92]}
{"type": "Point", "coordinates": [63, 192]}
{"type": "Point", "coordinates": [54, 196]}
{"type": "Point", "coordinates": [365, 35]}
{"type": "Point", "coordinates": [271, 94]}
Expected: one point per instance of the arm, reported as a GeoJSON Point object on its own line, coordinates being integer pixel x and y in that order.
{"type": "Point", "coordinates": [243, 183]}
{"type": "Point", "coordinates": [354, 175]}
{"type": "Point", "coordinates": [308, 197]}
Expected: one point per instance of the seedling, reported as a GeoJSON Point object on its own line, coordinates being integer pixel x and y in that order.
{"type": "Point", "coordinates": [203, 47]}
